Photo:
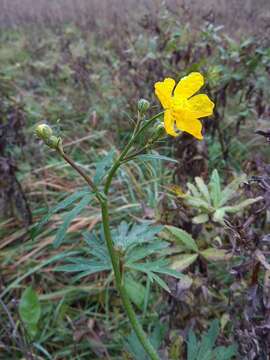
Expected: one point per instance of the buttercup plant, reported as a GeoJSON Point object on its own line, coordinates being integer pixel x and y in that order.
{"type": "Point", "coordinates": [181, 112]}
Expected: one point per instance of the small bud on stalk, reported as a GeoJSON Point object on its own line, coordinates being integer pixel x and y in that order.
{"type": "Point", "coordinates": [160, 131]}
{"type": "Point", "coordinates": [45, 133]}
{"type": "Point", "coordinates": [143, 106]}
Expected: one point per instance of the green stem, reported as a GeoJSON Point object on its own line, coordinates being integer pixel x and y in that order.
{"type": "Point", "coordinates": [119, 280]}
{"type": "Point", "coordinates": [132, 140]}
{"type": "Point", "coordinates": [82, 173]}
{"type": "Point", "coordinates": [121, 286]}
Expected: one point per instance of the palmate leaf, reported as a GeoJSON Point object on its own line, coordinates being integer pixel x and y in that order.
{"type": "Point", "coordinates": [142, 251]}
{"type": "Point", "coordinates": [205, 349]}
{"type": "Point", "coordinates": [133, 345]}
{"type": "Point", "coordinates": [83, 267]}
{"type": "Point", "coordinates": [153, 268]}
{"type": "Point", "coordinates": [209, 339]}
{"type": "Point", "coordinates": [98, 261]}
{"type": "Point", "coordinates": [96, 246]}
{"type": "Point", "coordinates": [127, 235]}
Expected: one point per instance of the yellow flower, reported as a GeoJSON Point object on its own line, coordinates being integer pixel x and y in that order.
{"type": "Point", "coordinates": [182, 109]}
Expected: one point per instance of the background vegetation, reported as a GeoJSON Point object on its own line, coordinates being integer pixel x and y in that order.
{"type": "Point", "coordinates": [81, 67]}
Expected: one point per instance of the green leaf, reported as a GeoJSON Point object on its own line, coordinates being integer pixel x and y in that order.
{"type": "Point", "coordinates": [183, 237]}
{"type": "Point", "coordinates": [154, 266]}
{"type": "Point", "coordinates": [208, 341]}
{"type": "Point", "coordinates": [96, 246]}
{"type": "Point", "coordinates": [145, 157]}
{"type": "Point", "coordinates": [225, 353]}
{"type": "Point", "coordinates": [159, 266]}
{"type": "Point", "coordinates": [234, 209]}
{"type": "Point", "coordinates": [60, 206]}
{"type": "Point", "coordinates": [193, 190]}
{"type": "Point", "coordinates": [140, 252]}
{"type": "Point", "coordinates": [91, 267]}
{"type": "Point", "coordinates": [229, 192]}
{"type": "Point", "coordinates": [30, 311]}
{"type": "Point", "coordinates": [203, 189]}
{"type": "Point", "coordinates": [102, 166]}
{"type": "Point", "coordinates": [198, 203]}
{"type": "Point", "coordinates": [219, 215]}
{"type": "Point", "coordinates": [159, 281]}
{"type": "Point", "coordinates": [68, 218]}
{"type": "Point", "coordinates": [134, 346]}
{"type": "Point", "coordinates": [192, 346]}
{"type": "Point", "coordinates": [213, 254]}
{"type": "Point", "coordinates": [205, 350]}
{"type": "Point", "coordinates": [171, 272]}
{"type": "Point", "coordinates": [200, 219]}
{"type": "Point", "coordinates": [136, 291]}
{"type": "Point", "coordinates": [127, 236]}
{"type": "Point", "coordinates": [181, 262]}
{"type": "Point", "coordinates": [215, 188]}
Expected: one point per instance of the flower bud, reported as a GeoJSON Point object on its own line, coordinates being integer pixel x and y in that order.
{"type": "Point", "coordinates": [143, 106]}
{"type": "Point", "coordinates": [53, 142]}
{"type": "Point", "coordinates": [158, 134]}
{"type": "Point", "coordinates": [44, 132]}
{"type": "Point", "coordinates": [160, 131]}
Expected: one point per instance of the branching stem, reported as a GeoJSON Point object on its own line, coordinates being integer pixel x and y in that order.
{"type": "Point", "coordinates": [115, 260]}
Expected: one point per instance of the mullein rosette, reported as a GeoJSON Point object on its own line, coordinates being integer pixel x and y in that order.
{"type": "Point", "coordinates": [183, 108]}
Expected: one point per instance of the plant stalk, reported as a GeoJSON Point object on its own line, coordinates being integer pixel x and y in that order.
{"type": "Point", "coordinates": [119, 280]}
{"type": "Point", "coordinates": [121, 286]}
{"type": "Point", "coordinates": [132, 140]}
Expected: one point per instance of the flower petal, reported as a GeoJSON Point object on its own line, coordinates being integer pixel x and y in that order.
{"type": "Point", "coordinates": [163, 90]}
{"type": "Point", "coordinates": [201, 105]}
{"type": "Point", "coordinates": [169, 123]}
{"type": "Point", "coordinates": [189, 85]}
{"type": "Point", "coordinates": [189, 124]}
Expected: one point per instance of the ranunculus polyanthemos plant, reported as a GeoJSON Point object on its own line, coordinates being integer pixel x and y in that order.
{"type": "Point", "coordinates": [182, 111]}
